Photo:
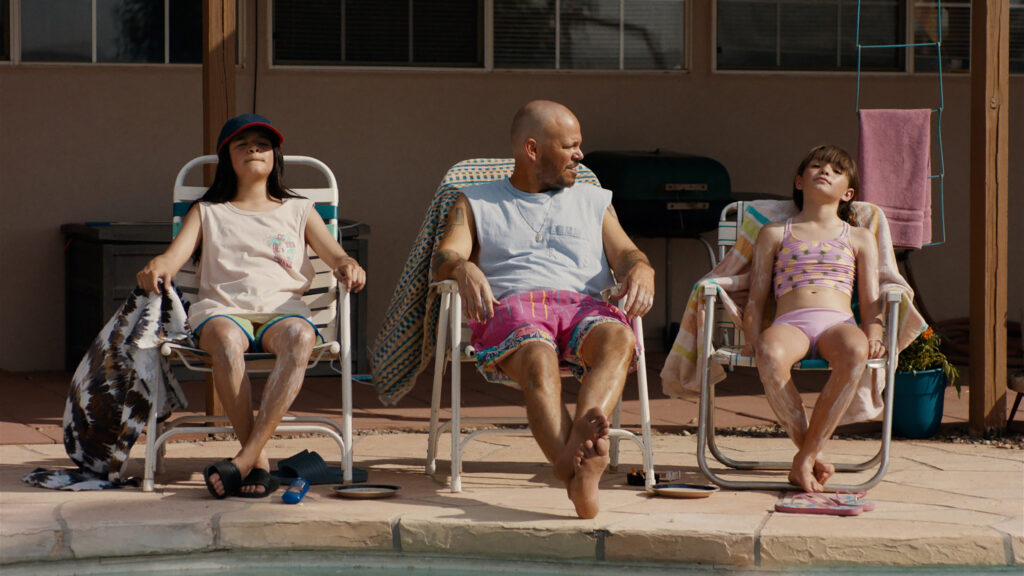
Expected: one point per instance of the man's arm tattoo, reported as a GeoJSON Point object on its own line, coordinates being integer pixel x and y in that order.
{"type": "Point", "coordinates": [442, 257]}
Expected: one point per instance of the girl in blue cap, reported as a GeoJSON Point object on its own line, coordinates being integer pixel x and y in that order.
{"type": "Point", "coordinates": [249, 233]}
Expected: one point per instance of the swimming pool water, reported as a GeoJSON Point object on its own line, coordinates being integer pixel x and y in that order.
{"type": "Point", "coordinates": [324, 563]}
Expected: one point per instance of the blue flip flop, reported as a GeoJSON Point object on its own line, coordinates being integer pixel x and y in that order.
{"type": "Point", "coordinates": [311, 466]}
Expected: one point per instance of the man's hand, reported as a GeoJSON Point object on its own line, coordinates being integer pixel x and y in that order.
{"type": "Point", "coordinates": [478, 301]}
{"type": "Point", "coordinates": [637, 288]}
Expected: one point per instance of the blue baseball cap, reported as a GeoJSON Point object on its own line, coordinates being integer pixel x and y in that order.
{"type": "Point", "coordinates": [242, 122]}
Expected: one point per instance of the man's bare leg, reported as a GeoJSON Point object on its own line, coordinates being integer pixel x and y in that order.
{"type": "Point", "coordinates": [607, 351]}
{"type": "Point", "coordinates": [535, 367]}
{"type": "Point", "coordinates": [562, 439]}
{"type": "Point", "coordinates": [291, 340]}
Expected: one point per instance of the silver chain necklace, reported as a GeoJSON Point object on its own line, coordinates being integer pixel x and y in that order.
{"type": "Point", "coordinates": [538, 231]}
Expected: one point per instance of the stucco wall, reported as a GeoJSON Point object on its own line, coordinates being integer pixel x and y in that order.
{"type": "Point", "coordinates": [82, 143]}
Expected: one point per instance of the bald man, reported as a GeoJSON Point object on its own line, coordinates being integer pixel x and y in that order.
{"type": "Point", "coordinates": [531, 255]}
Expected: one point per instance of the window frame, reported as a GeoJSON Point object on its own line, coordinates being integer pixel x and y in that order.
{"type": "Point", "coordinates": [909, 53]}
{"type": "Point", "coordinates": [488, 56]}
{"type": "Point", "coordinates": [14, 17]}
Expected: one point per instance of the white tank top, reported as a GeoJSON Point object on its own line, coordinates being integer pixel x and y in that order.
{"type": "Point", "coordinates": [252, 263]}
{"type": "Point", "coordinates": [545, 241]}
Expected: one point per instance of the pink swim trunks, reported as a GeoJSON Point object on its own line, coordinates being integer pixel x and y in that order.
{"type": "Point", "coordinates": [560, 318]}
{"type": "Point", "coordinates": [813, 322]}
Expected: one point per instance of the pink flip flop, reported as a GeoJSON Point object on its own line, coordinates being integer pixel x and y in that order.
{"type": "Point", "coordinates": [816, 503]}
{"type": "Point", "coordinates": [847, 498]}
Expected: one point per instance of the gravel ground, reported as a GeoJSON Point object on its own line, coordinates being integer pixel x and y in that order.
{"type": "Point", "coordinates": [1009, 439]}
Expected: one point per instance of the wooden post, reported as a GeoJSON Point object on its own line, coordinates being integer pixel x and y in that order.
{"type": "Point", "coordinates": [219, 39]}
{"type": "Point", "coordinates": [989, 207]}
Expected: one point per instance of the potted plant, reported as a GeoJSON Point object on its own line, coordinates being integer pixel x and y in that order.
{"type": "Point", "coordinates": [922, 374]}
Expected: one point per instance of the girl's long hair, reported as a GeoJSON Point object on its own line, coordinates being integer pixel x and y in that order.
{"type": "Point", "coordinates": [841, 160]}
{"type": "Point", "coordinates": [225, 182]}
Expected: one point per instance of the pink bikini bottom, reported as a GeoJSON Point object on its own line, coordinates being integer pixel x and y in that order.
{"type": "Point", "coordinates": [813, 322]}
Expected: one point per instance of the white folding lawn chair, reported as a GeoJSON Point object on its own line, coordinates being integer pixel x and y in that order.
{"type": "Point", "coordinates": [330, 307]}
{"type": "Point", "coordinates": [728, 354]}
{"type": "Point", "coordinates": [452, 345]}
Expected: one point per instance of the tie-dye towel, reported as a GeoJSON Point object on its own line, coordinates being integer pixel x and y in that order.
{"type": "Point", "coordinates": [679, 377]}
{"type": "Point", "coordinates": [112, 391]}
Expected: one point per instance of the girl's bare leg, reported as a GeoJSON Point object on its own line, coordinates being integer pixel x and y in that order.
{"type": "Point", "coordinates": [291, 340]}
{"type": "Point", "coordinates": [779, 347]}
{"type": "Point", "coordinates": [845, 347]}
{"type": "Point", "coordinates": [226, 344]}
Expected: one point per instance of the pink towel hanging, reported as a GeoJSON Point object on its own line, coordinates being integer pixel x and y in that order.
{"type": "Point", "coordinates": [895, 169]}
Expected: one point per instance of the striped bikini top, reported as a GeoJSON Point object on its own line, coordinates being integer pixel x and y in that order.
{"type": "Point", "coordinates": [828, 263]}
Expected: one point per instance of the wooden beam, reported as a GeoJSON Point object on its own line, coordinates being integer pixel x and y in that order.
{"type": "Point", "coordinates": [219, 39]}
{"type": "Point", "coordinates": [990, 65]}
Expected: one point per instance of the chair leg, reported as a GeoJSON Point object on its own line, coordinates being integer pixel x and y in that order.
{"type": "Point", "coordinates": [439, 365]}
{"type": "Point", "coordinates": [645, 408]}
{"type": "Point", "coordinates": [152, 431]}
{"type": "Point", "coordinates": [456, 429]}
{"type": "Point", "coordinates": [346, 386]}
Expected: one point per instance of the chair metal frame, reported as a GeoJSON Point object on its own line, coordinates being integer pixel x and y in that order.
{"type": "Point", "coordinates": [729, 355]}
{"type": "Point", "coordinates": [451, 344]}
{"type": "Point", "coordinates": [331, 314]}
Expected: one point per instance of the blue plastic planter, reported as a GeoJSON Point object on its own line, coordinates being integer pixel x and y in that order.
{"type": "Point", "coordinates": [917, 403]}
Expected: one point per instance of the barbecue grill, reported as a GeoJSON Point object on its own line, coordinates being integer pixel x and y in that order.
{"type": "Point", "coordinates": [660, 193]}
{"type": "Point", "coordinates": [664, 194]}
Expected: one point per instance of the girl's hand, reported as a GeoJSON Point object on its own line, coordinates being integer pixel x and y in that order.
{"type": "Point", "coordinates": [875, 348]}
{"type": "Point", "coordinates": [350, 274]}
{"type": "Point", "coordinates": [156, 271]}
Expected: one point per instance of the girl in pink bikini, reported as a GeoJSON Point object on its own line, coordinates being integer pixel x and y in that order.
{"type": "Point", "coordinates": [811, 263]}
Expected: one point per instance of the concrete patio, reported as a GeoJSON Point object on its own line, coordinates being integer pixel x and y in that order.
{"type": "Point", "coordinates": [942, 503]}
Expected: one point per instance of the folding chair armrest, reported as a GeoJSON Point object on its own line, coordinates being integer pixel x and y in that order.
{"type": "Point", "coordinates": [445, 286]}
{"type": "Point", "coordinates": [608, 293]}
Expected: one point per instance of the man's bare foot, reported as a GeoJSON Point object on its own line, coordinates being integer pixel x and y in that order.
{"type": "Point", "coordinates": [802, 474]}
{"type": "Point", "coordinates": [585, 484]}
{"type": "Point", "coordinates": [823, 470]}
{"type": "Point", "coordinates": [591, 426]}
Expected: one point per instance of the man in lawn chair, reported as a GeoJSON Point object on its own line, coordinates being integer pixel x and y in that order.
{"type": "Point", "coordinates": [531, 255]}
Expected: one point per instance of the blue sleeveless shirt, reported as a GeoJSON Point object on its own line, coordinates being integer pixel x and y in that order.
{"type": "Point", "coordinates": [545, 241]}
